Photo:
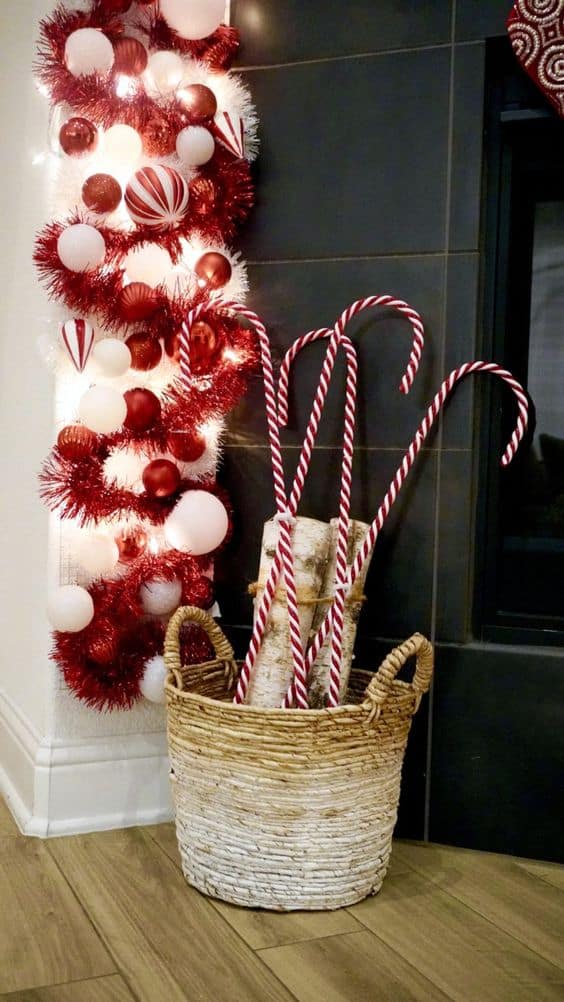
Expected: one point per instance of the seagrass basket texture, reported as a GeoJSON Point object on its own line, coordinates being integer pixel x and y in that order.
{"type": "Point", "coordinates": [286, 809]}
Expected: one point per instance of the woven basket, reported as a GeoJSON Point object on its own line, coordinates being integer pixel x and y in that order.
{"type": "Point", "coordinates": [286, 809]}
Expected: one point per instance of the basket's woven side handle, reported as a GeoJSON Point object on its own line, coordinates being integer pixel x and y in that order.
{"type": "Point", "coordinates": [380, 686]}
{"type": "Point", "coordinates": [192, 614]}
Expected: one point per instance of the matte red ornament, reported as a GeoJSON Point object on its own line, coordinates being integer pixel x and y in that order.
{"type": "Point", "coordinates": [130, 56]}
{"type": "Point", "coordinates": [131, 544]}
{"type": "Point", "coordinates": [200, 102]}
{"type": "Point", "coordinates": [143, 409]}
{"type": "Point", "coordinates": [76, 442]}
{"type": "Point", "coordinates": [536, 31]}
{"type": "Point", "coordinates": [203, 195]}
{"type": "Point", "coordinates": [104, 645]}
{"type": "Point", "coordinates": [115, 6]}
{"type": "Point", "coordinates": [137, 301]}
{"type": "Point", "coordinates": [78, 137]}
{"type": "Point", "coordinates": [101, 193]}
{"type": "Point", "coordinates": [146, 351]}
{"type": "Point", "coordinates": [161, 478]}
{"type": "Point", "coordinates": [213, 270]}
{"type": "Point", "coordinates": [187, 446]}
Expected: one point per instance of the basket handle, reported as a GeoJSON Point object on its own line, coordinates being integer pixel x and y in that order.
{"type": "Point", "coordinates": [192, 614]}
{"type": "Point", "coordinates": [380, 686]}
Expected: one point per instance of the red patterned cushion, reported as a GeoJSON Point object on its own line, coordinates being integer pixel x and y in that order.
{"type": "Point", "coordinates": [536, 30]}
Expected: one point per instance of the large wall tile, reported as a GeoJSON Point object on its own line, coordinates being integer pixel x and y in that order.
{"type": "Point", "coordinates": [400, 579]}
{"type": "Point", "coordinates": [296, 297]}
{"type": "Point", "coordinates": [498, 747]}
{"type": "Point", "coordinates": [284, 31]}
{"type": "Point", "coordinates": [478, 19]}
{"type": "Point", "coordinates": [454, 547]}
{"type": "Point", "coordinates": [468, 128]}
{"type": "Point", "coordinates": [460, 346]}
{"type": "Point", "coordinates": [353, 157]}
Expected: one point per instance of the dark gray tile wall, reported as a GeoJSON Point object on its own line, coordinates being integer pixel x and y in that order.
{"type": "Point", "coordinates": [369, 182]}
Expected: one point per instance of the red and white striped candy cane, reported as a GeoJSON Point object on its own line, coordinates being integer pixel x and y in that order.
{"type": "Point", "coordinates": [407, 462]}
{"type": "Point", "coordinates": [285, 518]}
{"type": "Point", "coordinates": [341, 566]}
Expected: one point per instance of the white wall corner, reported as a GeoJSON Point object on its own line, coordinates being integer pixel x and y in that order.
{"type": "Point", "coordinates": [66, 786]}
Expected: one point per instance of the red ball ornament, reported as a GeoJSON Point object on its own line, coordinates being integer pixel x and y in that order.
{"type": "Point", "coordinates": [161, 478]}
{"type": "Point", "coordinates": [143, 409]}
{"type": "Point", "coordinates": [103, 647]}
{"type": "Point", "coordinates": [146, 351]}
{"type": "Point", "coordinates": [157, 196]}
{"type": "Point", "coordinates": [130, 56]}
{"type": "Point", "coordinates": [115, 6]}
{"type": "Point", "coordinates": [172, 346]}
{"type": "Point", "coordinates": [101, 193]}
{"type": "Point", "coordinates": [137, 301]}
{"type": "Point", "coordinates": [76, 442]}
{"type": "Point", "coordinates": [131, 544]}
{"type": "Point", "coordinates": [204, 346]}
{"type": "Point", "coordinates": [200, 103]}
{"type": "Point", "coordinates": [213, 270]}
{"type": "Point", "coordinates": [187, 446]}
{"type": "Point", "coordinates": [78, 137]}
{"type": "Point", "coordinates": [203, 195]}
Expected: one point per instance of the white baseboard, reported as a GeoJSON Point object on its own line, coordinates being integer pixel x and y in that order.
{"type": "Point", "coordinates": [70, 786]}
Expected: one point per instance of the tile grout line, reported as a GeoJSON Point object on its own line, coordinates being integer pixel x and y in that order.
{"type": "Point", "coordinates": [371, 54]}
{"type": "Point", "coordinates": [440, 435]}
{"type": "Point", "coordinates": [382, 256]}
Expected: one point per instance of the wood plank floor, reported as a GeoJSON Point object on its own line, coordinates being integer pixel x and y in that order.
{"type": "Point", "coordinates": [109, 918]}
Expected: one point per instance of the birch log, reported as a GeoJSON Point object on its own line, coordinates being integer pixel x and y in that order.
{"type": "Point", "coordinates": [273, 670]}
{"type": "Point", "coordinates": [319, 676]}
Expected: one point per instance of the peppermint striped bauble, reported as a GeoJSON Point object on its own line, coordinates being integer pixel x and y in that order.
{"type": "Point", "coordinates": [157, 197]}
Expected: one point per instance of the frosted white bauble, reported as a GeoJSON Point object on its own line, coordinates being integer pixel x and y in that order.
{"type": "Point", "coordinates": [102, 409]}
{"type": "Point", "coordinates": [158, 598]}
{"type": "Point", "coordinates": [153, 680]}
{"type": "Point", "coordinates": [70, 609]}
{"type": "Point", "coordinates": [197, 524]}
{"type": "Point", "coordinates": [193, 18]}
{"type": "Point", "coordinates": [111, 357]}
{"type": "Point", "coordinates": [97, 553]}
{"type": "Point", "coordinates": [195, 145]}
{"type": "Point", "coordinates": [81, 247]}
{"type": "Point", "coordinates": [123, 146]}
{"type": "Point", "coordinates": [88, 51]}
{"type": "Point", "coordinates": [150, 264]}
{"type": "Point", "coordinates": [165, 70]}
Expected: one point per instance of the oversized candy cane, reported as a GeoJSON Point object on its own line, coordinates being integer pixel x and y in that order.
{"type": "Point", "coordinates": [307, 447]}
{"type": "Point", "coordinates": [407, 462]}
{"type": "Point", "coordinates": [285, 519]}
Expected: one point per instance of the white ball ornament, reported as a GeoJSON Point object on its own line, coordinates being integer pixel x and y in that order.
{"type": "Point", "coordinates": [195, 145]}
{"type": "Point", "coordinates": [70, 609]}
{"type": "Point", "coordinates": [98, 554]}
{"type": "Point", "coordinates": [102, 409]}
{"type": "Point", "coordinates": [150, 264]}
{"type": "Point", "coordinates": [193, 18]}
{"type": "Point", "coordinates": [122, 145]}
{"type": "Point", "coordinates": [81, 247]}
{"type": "Point", "coordinates": [159, 598]}
{"type": "Point", "coordinates": [153, 680]}
{"type": "Point", "coordinates": [165, 70]}
{"type": "Point", "coordinates": [111, 357]}
{"type": "Point", "coordinates": [197, 524]}
{"type": "Point", "coordinates": [88, 51]}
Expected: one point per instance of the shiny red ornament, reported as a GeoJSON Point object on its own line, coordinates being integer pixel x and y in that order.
{"type": "Point", "coordinates": [78, 137]}
{"type": "Point", "coordinates": [104, 645]}
{"type": "Point", "coordinates": [187, 446]}
{"type": "Point", "coordinates": [161, 478]}
{"type": "Point", "coordinates": [130, 56]}
{"type": "Point", "coordinates": [203, 196]}
{"type": "Point", "coordinates": [200, 102]}
{"type": "Point", "coordinates": [137, 301]}
{"type": "Point", "coordinates": [213, 270]}
{"type": "Point", "coordinates": [146, 351]}
{"type": "Point", "coordinates": [101, 193]}
{"type": "Point", "coordinates": [115, 6]}
{"type": "Point", "coordinates": [76, 442]}
{"type": "Point", "coordinates": [143, 409]}
{"type": "Point", "coordinates": [131, 544]}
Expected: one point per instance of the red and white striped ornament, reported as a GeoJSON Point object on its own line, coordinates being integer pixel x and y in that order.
{"type": "Point", "coordinates": [157, 196]}
{"type": "Point", "coordinates": [230, 130]}
{"type": "Point", "coordinates": [78, 339]}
